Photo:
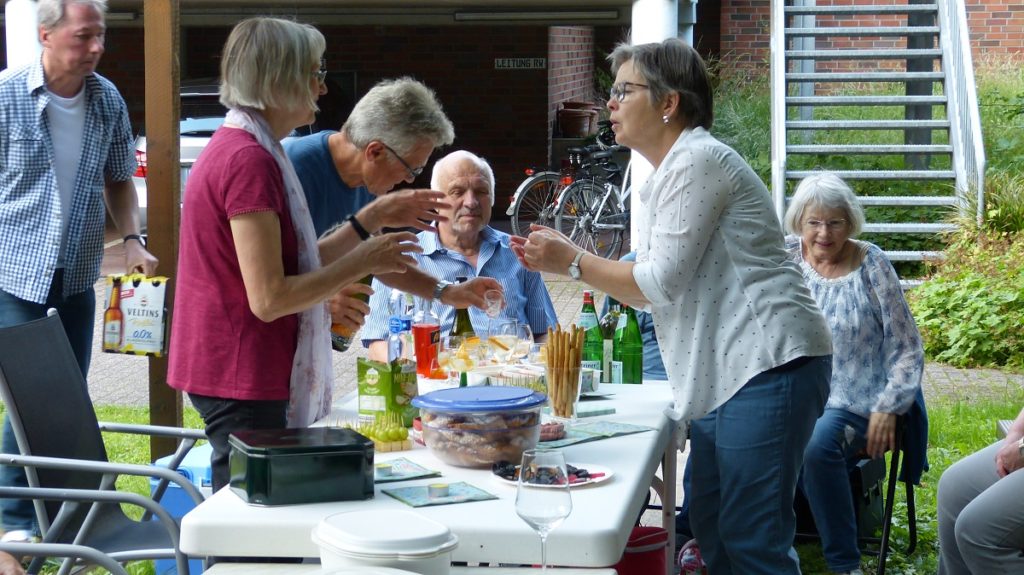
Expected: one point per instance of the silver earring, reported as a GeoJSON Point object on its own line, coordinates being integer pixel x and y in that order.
{"type": "Point", "coordinates": [664, 118]}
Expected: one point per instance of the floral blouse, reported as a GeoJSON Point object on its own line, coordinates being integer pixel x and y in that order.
{"type": "Point", "coordinates": [877, 355]}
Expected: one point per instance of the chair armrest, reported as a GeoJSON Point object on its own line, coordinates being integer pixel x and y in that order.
{"type": "Point", "coordinates": [157, 430]}
{"type": "Point", "coordinates": [64, 550]}
{"type": "Point", "coordinates": [105, 467]}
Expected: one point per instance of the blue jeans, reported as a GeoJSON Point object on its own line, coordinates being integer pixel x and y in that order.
{"type": "Point", "coordinates": [78, 314]}
{"type": "Point", "coordinates": [746, 460]}
{"type": "Point", "coordinates": [830, 456]}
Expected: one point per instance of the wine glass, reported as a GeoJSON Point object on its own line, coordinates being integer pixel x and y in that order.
{"type": "Point", "coordinates": [501, 335]}
{"type": "Point", "coordinates": [543, 506]}
{"type": "Point", "coordinates": [518, 337]}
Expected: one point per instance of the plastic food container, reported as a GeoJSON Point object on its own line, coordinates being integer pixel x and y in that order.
{"type": "Point", "coordinates": [384, 539]}
{"type": "Point", "coordinates": [478, 426]}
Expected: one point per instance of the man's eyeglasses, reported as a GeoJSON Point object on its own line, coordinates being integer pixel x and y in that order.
{"type": "Point", "coordinates": [414, 172]}
{"type": "Point", "coordinates": [620, 90]}
{"type": "Point", "coordinates": [832, 225]}
{"type": "Point", "coordinates": [321, 74]}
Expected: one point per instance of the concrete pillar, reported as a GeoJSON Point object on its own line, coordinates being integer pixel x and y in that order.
{"type": "Point", "coordinates": [653, 21]}
{"type": "Point", "coordinates": [21, 27]}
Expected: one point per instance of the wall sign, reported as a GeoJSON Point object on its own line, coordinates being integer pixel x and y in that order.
{"type": "Point", "coordinates": [520, 63]}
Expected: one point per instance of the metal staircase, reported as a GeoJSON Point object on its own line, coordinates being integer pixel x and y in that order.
{"type": "Point", "coordinates": [883, 95]}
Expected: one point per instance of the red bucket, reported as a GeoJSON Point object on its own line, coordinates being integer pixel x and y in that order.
{"type": "Point", "coordinates": [645, 552]}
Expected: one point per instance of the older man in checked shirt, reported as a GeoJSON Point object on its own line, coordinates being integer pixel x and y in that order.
{"type": "Point", "coordinates": [66, 157]}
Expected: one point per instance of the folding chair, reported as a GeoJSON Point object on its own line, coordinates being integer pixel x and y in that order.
{"type": "Point", "coordinates": [70, 480]}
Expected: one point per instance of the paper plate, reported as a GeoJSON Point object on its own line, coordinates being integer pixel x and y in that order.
{"type": "Point", "coordinates": [592, 468]}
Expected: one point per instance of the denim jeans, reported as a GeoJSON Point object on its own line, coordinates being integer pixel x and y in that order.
{"type": "Point", "coordinates": [746, 460]}
{"type": "Point", "coordinates": [77, 314]}
{"type": "Point", "coordinates": [830, 456]}
{"type": "Point", "coordinates": [225, 416]}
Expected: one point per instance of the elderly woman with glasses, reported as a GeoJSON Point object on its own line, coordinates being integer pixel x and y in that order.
{"type": "Point", "coordinates": [249, 340]}
{"type": "Point", "coordinates": [745, 348]}
{"type": "Point", "coordinates": [877, 357]}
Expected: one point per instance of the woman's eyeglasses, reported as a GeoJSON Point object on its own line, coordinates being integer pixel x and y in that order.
{"type": "Point", "coordinates": [321, 74]}
{"type": "Point", "coordinates": [831, 225]}
{"type": "Point", "coordinates": [620, 90]}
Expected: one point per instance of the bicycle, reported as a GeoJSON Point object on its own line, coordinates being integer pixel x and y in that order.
{"type": "Point", "coordinates": [593, 210]}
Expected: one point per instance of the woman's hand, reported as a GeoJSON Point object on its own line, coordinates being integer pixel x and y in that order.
{"type": "Point", "coordinates": [404, 209]}
{"type": "Point", "coordinates": [470, 293]}
{"type": "Point", "coordinates": [9, 565]}
{"type": "Point", "coordinates": [881, 434]}
{"type": "Point", "coordinates": [347, 310]}
{"type": "Point", "coordinates": [545, 250]}
{"type": "Point", "coordinates": [387, 253]}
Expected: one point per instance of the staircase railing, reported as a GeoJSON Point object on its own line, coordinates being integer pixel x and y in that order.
{"type": "Point", "coordinates": [778, 88]}
{"type": "Point", "coordinates": [965, 125]}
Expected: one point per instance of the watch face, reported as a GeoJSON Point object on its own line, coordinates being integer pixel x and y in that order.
{"type": "Point", "coordinates": [574, 271]}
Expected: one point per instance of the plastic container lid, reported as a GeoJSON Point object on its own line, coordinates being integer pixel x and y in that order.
{"type": "Point", "coordinates": [368, 571]}
{"type": "Point", "coordinates": [480, 398]}
{"type": "Point", "coordinates": [384, 533]}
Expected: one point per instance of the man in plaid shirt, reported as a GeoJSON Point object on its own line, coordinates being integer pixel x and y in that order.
{"type": "Point", "coordinates": [66, 155]}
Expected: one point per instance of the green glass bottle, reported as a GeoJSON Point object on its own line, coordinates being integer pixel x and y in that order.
{"type": "Point", "coordinates": [593, 341]}
{"type": "Point", "coordinates": [341, 337]}
{"type": "Point", "coordinates": [628, 350]}
{"type": "Point", "coordinates": [462, 326]}
{"type": "Point", "coordinates": [608, 324]}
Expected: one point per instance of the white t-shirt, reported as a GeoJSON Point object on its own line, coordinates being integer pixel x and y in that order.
{"type": "Point", "coordinates": [66, 118]}
{"type": "Point", "coordinates": [727, 301]}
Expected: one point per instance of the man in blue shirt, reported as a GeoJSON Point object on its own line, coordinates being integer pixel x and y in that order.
{"type": "Point", "coordinates": [66, 157]}
{"type": "Point", "coordinates": [465, 245]}
{"type": "Point", "coordinates": [386, 140]}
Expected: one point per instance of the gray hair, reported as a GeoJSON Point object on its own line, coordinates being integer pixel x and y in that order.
{"type": "Point", "coordinates": [400, 113]}
{"type": "Point", "coordinates": [454, 158]}
{"type": "Point", "coordinates": [51, 12]}
{"type": "Point", "coordinates": [672, 66]}
{"type": "Point", "coordinates": [828, 191]}
{"type": "Point", "coordinates": [268, 62]}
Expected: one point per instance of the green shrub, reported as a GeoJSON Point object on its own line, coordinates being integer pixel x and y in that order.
{"type": "Point", "coordinates": [970, 311]}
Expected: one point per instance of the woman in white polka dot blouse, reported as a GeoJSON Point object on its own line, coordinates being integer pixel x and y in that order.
{"type": "Point", "coordinates": [745, 347]}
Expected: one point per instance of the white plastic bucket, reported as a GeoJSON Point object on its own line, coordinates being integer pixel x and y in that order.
{"type": "Point", "coordinates": [368, 571]}
{"type": "Point", "coordinates": [387, 538]}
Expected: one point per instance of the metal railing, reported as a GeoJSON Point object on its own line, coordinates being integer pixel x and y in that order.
{"type": "Point", "coordinates": [779, 92]}
{"type": "Point", "coordinates": [965, 121]}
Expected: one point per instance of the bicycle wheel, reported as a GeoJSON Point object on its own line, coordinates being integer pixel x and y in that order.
{"type": "Point", "coordinates": [592, 221]}
{"type": "Point", "coordinates": [534, 202]}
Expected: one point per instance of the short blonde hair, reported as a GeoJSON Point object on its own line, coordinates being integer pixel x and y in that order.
{"type": "Point", "coordinates": [267, 63]}
{"type": "Point", "coordinates": [829, 191]}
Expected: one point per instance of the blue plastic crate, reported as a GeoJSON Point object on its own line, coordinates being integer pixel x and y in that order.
{"type": "Point", "coordinates": [196, 468]}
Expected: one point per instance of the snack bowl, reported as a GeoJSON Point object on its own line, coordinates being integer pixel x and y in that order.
{"type": "Point", "coordinates": [480, 425]}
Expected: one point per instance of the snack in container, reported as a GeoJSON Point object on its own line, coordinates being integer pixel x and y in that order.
{"type": "Point", "coordinates": [564, 359]}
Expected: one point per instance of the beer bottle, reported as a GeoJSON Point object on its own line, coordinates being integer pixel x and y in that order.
{"type": "Point", "coordinates": [608, 325]}
{"type": "Point", "coordinates": [463, 326]}
{"type": "Point", "coordinates": [341, 337]}
{"type": "Point", "coordinates": [113, 319]}
{"type": "Point", "coordinates": [628, 350]}
{"type": "Point", "coordinates": [593, 341]}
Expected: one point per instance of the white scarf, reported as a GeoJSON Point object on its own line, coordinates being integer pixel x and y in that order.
{"type": "Point", "coordinates": [310, 386]}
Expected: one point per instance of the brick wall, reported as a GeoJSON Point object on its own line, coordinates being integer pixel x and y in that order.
{"type": "Point", "coordinates": [996, 28]}
{"type": "Point", "coordinates": [570, 68]}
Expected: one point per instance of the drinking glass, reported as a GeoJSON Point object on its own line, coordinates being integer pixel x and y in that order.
{"type": "Point", "coordinates": [454, 357]}
{"type": "Point", "coordinates": [519, 338]}
{"type": "Point", "coordinates": [501, 335]}
{"type": "Point", "coordinates": [494, 302]}
{"type": "Point", "coordinates": [543, 507]}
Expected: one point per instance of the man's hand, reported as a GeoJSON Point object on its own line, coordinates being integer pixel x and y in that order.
{"type": "Point", "coordinates": [404, 209]}
{"type": "Point", "coordinates": [881, 434]}
{"type": "Point", "coordinates": [348, 310]}
{"type": "Point", "coordinates": [9, 565]}
{"type": "Point", "coordinates": [138, 260]}
{"type": "Point", "coordinates": [1008, 457]}
{"type": "Point", "coordinates": [469, 293]}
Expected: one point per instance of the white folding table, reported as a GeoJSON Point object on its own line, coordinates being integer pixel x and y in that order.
{"type": "Point", "coordinates": [594, 535]}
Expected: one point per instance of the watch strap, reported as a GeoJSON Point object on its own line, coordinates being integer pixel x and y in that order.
{"type": "Point", "coordinates": [439, 287]}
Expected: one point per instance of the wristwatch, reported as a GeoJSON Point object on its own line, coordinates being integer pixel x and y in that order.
{"type": "Point", "coordinates": [441, 284]}
{"type": "Point", "coordinates": [1020, 446]}
{"type": "Point", "coordinates": [574, 268]}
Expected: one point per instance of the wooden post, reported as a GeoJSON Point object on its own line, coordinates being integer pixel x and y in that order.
{"type": "Point", "coordinates": [161, 24]}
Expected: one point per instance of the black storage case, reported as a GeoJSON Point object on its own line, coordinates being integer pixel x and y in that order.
{"type": "Point", "coordinates": [291, 466]}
